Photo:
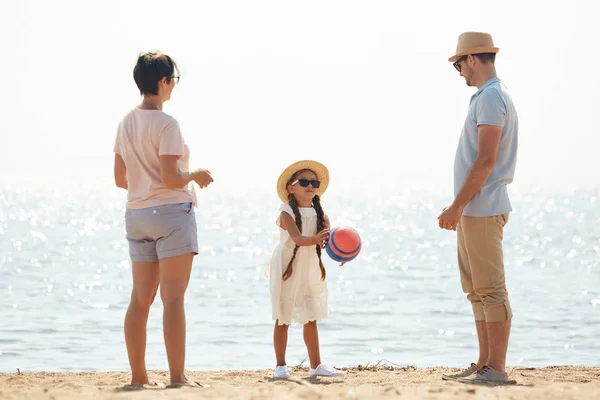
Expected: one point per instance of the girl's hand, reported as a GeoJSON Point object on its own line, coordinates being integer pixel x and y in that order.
{"type": "Point", "coordinates": [321, 237]}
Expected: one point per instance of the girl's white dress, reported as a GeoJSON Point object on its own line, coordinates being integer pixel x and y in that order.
{"type": "Point", "coordinates": [303, 296]}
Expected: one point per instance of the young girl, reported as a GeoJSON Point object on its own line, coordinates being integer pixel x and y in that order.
{"type": "Point", "coordinates": [297, 274]}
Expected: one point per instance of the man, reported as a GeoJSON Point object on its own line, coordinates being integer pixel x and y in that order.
{"type": "Point", "coordinates": [484, 165]}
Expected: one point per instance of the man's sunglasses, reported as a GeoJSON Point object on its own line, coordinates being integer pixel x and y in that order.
{"type": "Point", "coordinates": [305, 182]}
{"type": "Point", "coordinates": [457, 63]}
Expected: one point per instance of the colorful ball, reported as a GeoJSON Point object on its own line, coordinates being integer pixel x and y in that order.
{"type": "Point", "coordinates": [343, 245]}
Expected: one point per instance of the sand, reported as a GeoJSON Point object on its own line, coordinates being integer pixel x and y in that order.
{"type": "Point", "coordinates": [384, 381]}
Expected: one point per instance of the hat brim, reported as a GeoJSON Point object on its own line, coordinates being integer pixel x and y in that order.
{"type": "Point", "coordinates": [319, 169]}
{"type": "Point", "coordinates": [474, 50]}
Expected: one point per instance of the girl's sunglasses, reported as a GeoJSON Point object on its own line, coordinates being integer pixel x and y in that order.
{"type": "Point", "coordinates": [305, 182]}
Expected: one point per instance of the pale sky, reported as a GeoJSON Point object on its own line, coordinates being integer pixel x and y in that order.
{"type": "Point", "coordinates": [363, 86]}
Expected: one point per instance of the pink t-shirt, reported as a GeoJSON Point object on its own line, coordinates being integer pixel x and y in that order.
{"type": "Point", "coordinates": [142, 137]}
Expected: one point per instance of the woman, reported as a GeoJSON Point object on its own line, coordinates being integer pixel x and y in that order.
{"type": "Point", "coordinates": [151, 163]}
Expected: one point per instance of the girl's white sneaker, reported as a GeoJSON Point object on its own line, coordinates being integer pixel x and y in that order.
{"type": "Point", "coordinates": [324, 370]}
{"type": "Point", "coordinates": [281, 372]}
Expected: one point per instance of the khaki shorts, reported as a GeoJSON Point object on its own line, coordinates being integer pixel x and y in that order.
{"type": "Point", "coordinates": [481, 264]}
{"type": "Point", "coordinates": [160, 232]}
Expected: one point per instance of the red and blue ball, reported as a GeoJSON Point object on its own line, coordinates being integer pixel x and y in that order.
{"type": "Point", "coordinates": [343, 244]}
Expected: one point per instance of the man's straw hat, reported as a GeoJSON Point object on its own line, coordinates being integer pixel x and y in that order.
{"type": "Point", "coordinates": [473, 43]}
{"type": "Point", "coordinates": [319, 169]}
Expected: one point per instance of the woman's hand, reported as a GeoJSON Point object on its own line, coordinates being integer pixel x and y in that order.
{"type": "Point", "coordinates": [202, 177]}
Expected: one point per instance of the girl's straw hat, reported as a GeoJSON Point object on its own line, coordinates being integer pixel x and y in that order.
{"type": "Point", "coordinates": [319, 169]}
{"type": "Point", "coordinates": [473, 43]}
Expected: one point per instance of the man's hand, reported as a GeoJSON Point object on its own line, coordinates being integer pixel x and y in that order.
{"type": "Point", "coordinates": [202, 177]}
{"type": "Point", "coordinates": [450, 217]}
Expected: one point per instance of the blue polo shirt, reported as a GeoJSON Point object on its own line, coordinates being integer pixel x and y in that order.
{"type": "Point", "coordinates": [490, 105]}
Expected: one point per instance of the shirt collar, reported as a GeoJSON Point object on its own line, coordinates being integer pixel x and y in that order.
{"type": "Point", "coordinates": [485, 85]}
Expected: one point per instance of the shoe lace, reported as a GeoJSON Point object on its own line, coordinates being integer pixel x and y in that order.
{"type": "Point", "coordinates": [483, 370]}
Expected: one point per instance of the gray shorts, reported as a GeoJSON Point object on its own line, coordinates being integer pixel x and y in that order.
{"type": "Point", "coordinates": [161, 232]}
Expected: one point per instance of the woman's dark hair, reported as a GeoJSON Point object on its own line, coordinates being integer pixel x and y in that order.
{"type": "Point", "coordinates": [150, 68]}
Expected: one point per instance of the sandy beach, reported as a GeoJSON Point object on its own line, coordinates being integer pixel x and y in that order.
{"type": "Point", "coordinates": [383, 381]}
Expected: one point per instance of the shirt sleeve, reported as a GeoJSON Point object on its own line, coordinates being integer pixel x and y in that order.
{"type": "Point", "coordinates": [491, 109]}
{"type": "Point", "coordinates": [171, 141]}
